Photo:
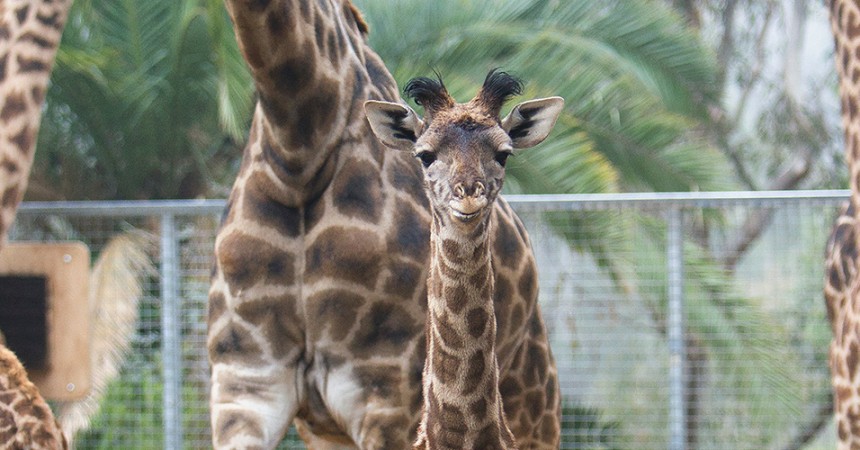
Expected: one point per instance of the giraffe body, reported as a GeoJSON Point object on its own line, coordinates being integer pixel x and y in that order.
{"type": "Point", "coordinates": [463, 148]}
{"type": "Point", "coordinates": [26, 420]}
{"type": "Point", "coordinates": [318, 297]}
{"type": "Point", "coordinates": [30, 33]}
{"type": "Point", "coordinates": [842, 282]}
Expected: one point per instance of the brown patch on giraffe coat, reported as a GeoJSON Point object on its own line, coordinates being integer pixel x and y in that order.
{"type": "Point", "coordinates": [445, 366]}
{"type": "Point", "coordinates": [489, 438]}
{"type": "Point", "coordinates": [29, 65]}
{"type": "Point", "coordinates": [3, 61]}
{"type": "Point", "coordinates": [477, 319]}
{"type": "Point", "coordinates": [528, 285]}
{"type": "Point", "coordinates": [23, 140]}
{"type": "Point", "coordinates": [9, 166]}
{"type": "Point", "coordinates": [507, 247]}
{"type": "Point", "coordinates": [405, 176]}
{"type": "Point", "coordinates": [10, 196]}
{"type": "Point", "coordinates": [234, 345]}
{"type": "Point", "coordinates": [476, 369]}
{"type": "Point", "coordinates": [449, 431]}
{"type": "Point", "coordinates": [357, 192]}
{"type": "Point", "coordinates": [448, 335]}
{"type": "Point", "coordinates": [404, 280]}
{"type": "Point", "coordinates": [21, 13]}
{"type": "Point", "coordinates": [335, 311]}
{"type": "Point", "coordinates": [455, 296]}
{"type": "Point", "coordinates": [451, 250]}
{"type": "Point", "coordinates": [50, 20]}
{"type": "Point", "coordinates": [246, 261]}
{"type": "Point", "coordinates": [317, 112]}
{"type": "Point", "coordinates": [277, 319]}
{"type": "Point", "coordinates": [852, 358]}
{"type": "Point", "coordinates": [380, 381]}
{"type": "Point", "coordinates": [411, 235]}
{"type": "Point", "coordinates": [13, 106]}
{"type": "Point", "coordinates": [217, 305]}
{"type": "Point", "coordinates": [259, 206]}
{"type": "Point", "coordinates": [231, 424]}
{"type": "Point", "coordinates": [478, 409]}
{"type": "Point", "coordinates": [384, 330]}
{"type": "Point", "coordinates": [345, 254]}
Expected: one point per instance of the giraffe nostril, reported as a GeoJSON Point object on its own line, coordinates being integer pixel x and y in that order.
{"type": "Point", "coordinates": [479, 189]}
{"type": "Point", "coordinates": [473, 189]}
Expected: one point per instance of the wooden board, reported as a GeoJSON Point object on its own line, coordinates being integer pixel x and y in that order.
{"type": "Point", "coordinates": [66, 268]}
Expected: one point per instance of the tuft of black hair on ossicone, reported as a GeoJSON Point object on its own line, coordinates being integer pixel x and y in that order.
{"type": "Point", "coordinates": [498, 88]}
{"type": "Point", "coordinates": [429, 93]}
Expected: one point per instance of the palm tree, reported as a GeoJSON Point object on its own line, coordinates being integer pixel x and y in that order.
{"type": "Point", "coordinates": [145, 102]}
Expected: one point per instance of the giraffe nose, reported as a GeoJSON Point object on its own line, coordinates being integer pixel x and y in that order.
{"type": "Point", "coordinates": [472, 189]}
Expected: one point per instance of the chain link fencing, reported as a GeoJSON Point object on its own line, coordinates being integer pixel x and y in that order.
{"type": "Point", "coordinates": [678, 321]}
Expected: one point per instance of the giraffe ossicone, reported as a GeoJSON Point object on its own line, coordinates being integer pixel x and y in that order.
{"type": "Point", "coordinates": [463, 149]}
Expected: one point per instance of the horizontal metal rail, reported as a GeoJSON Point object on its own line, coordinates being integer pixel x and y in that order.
{"type": "Point", "coordinates": [539, 202]}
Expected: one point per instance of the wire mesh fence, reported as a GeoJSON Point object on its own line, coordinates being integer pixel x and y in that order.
{"type": "Point", "coordinates": [677, 320]}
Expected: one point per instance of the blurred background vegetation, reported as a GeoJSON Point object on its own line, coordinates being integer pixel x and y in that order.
{"type": "Point", "coordinates": [151, 100]}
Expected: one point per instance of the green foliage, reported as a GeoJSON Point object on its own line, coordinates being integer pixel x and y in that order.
{"type": "Point", "coordinates": [586, 429]}
{"type": "Point", "coordinates": [635, 81]}
{"type": "Point", "coordinates": [144, 101]}
{"type": "Point", "coordinates": [133, 402]}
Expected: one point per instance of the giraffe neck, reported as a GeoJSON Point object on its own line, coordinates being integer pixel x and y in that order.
{"type": "Point", "coordinates": [844, 15]}
{"type": "Point", "coordinates": [313, 71]}
{"type": "Point", "coordinates": [463, 408]}
{"type": "Point", "coordinates": [30, 32]}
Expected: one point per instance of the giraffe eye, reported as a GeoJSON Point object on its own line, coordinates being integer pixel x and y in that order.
{"type": "Point", "coordinates": [427, 158]}
{"type": "Point", "coordinates": [502, 158]}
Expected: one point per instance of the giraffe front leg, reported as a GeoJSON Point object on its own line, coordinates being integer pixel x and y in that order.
{"type": "Point", "coordinates": [254, 357]}
{"type": "Point", "coordinates": [251, 410]}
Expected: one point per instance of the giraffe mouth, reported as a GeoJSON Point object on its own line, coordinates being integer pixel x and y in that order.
{"type": "Point", "coordinates": [468, 209]}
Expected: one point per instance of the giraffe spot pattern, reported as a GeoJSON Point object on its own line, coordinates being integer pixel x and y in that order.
{"type": "Point", "coordinates": [260, 207]}
{"type": "Point", "coordinates": [277, 319]}
{"type": "Point", "coordinates": [411, 235]}
{"type": "Point", "coordinates": [477, 319]}
{"type": "Point", "coordinates": [335, 311]}
{"type": "Point", "coordinates": [246, 261]}
{"type": "Point", "coordinates": [476, 372]}
{"type": "Point", "coordinates": [448, 335]}
{"type": "Point", "coordinates": [380, 381]}
{"type": "Point", "coordinates": [383, 330]}
{"type": "Point", "coordinates": [445, 366]}
{"type": "Point", "coordinates": [404, 280]}
{"type": "Point", "coordinates": [233, 345]}
{"type": "Point", "coordinates": [345, 254]}
{"type": "Point", "coordinates": [357, 192]}
{"type": "Point", "coordinates": [232, 425]}
{"type": "Point", "coordinates": [13, 106]}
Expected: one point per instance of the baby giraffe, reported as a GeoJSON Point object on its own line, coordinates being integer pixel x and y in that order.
{"type": "Point", "coordinates": [463, 149]}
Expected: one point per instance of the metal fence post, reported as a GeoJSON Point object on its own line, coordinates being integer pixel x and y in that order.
{"type": "Point", "coordinates": [675, 328]}
{"type": "Point", "coordinates": [171, 350]}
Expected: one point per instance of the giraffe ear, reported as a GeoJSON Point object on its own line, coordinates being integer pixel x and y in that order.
{"type": "Point", "coordinates": [529, 123]}
{"type": "Point", "coordinates": [396, 125]}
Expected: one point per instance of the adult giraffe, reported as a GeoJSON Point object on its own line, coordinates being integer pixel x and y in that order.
{"type": "Point", "coordinates": [30, 33]}
{"type": "Point", "coordinates": [842, 283]}
{"type": "Point", "coordinates": [318, 298]}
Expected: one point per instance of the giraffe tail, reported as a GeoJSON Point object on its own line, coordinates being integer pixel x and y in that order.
{"type": "Point", "coordinates": [115, 290]}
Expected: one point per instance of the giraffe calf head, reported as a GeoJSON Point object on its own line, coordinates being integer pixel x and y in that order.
{"type": "Point", "coordinates": [463, 147]}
